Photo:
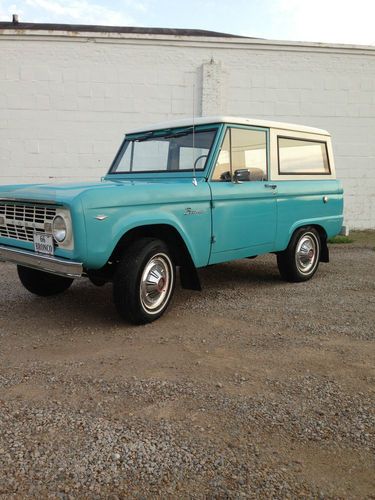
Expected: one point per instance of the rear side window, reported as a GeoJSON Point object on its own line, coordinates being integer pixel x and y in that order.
{"type": "Point", "coordinates": [299, 156]}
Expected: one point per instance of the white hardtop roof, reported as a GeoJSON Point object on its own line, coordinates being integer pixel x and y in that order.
{"type": "Point", "coordinates": [186, 122]}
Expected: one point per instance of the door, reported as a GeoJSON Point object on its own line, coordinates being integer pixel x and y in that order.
{"type": "Point", "coordinates": [244, 212]}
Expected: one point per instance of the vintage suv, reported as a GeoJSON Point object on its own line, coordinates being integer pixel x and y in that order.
{"type": "Point", "coordinates": [187, 194]}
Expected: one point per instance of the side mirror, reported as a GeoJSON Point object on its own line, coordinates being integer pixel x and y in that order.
{"type": "Point", "coordinates": [241, 175]}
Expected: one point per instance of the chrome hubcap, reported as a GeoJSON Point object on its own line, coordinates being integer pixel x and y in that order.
{"type": "Point", "coordinates": [306, 253]}
{"type": "Point", "coordinates": [156, 283]}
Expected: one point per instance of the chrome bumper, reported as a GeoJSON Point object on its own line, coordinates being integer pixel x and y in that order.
{"type": "Point", "coordinates": [41, 262]}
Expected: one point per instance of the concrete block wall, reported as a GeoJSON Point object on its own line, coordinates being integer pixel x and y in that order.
{"type": "Point", "coordinates": [66, 100]}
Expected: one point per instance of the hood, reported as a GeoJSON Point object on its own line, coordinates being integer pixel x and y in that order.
{"type": "Point", "coordinates": [57, 193]}
{"type": "Point", "coordinates": [107, 193]}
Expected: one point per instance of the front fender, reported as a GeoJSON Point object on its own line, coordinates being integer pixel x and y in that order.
{"type": "Point", "coordinates": [104, 235]}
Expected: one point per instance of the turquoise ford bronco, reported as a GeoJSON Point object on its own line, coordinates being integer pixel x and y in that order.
{"type": "Point", "coordinates": [183, 194]}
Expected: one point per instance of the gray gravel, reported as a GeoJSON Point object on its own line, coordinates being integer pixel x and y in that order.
{"type": "Point", "coordinates": [252, 389]}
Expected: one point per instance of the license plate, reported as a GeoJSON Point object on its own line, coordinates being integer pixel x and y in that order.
{"type": "Point", "coordinates": [43, 243]}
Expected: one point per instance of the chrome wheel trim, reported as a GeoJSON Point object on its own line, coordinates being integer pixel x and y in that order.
{"type": "Point", "coordinates": [307, 253]}
{"type": "Point", "coordinates": [156, 283]}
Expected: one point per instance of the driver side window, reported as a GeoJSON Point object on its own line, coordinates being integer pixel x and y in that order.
{"type": "Point", "coordinates": [245, 150]}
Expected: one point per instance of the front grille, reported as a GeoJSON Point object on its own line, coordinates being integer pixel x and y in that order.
{"type": "Point", "coordinates": [19, 221]}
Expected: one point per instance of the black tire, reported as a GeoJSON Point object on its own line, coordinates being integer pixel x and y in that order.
{"type": "Point", "coordinates": [97, 281]}
{"type": "Point", "coordinates": [138, 300]}
{"type": "Point", "coordinates": [42, 283]}
{"type": "Point", "coordinates": [300, 260]}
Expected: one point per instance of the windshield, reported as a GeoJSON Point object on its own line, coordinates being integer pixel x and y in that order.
{"type": "Point", "coordinates": [173, 150]}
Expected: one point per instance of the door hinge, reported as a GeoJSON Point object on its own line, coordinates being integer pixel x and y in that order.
{"type": "Point", "coordinates": [213, 239]}
{"type": "Point", "coordinates": [212, 203]}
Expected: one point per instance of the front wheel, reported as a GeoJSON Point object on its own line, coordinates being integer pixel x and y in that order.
{"type": "Point", "coordinates": [144, 281]}
{"type": "Point", "coordinates": [42, 283]}
{"type": "Point", "coordinates": [300, 260]}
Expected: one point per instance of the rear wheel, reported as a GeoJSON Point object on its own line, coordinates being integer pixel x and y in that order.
{"type": "Point", "coordinates": [42, 283]}
{"type": "Point", "coordinates": [144, 281]}
{"type": "Point", "coordinates": [300, 260]}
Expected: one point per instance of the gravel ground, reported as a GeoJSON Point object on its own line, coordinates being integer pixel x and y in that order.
{"type": "Point", "coordinates": [253, 388]}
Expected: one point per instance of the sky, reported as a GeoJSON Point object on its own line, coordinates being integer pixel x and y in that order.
{"type": "Point", "coordinates": [333, 21]}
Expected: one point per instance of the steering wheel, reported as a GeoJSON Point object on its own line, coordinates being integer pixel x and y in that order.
{"type": "Point", "coordinates": [199, 158]}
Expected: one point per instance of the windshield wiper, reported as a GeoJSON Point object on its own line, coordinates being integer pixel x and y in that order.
{"type": "Point", "coordinates": [144, 137]}
{"type": "Point", "coordinates": [181, 133]}
{"type": "Point", "coordinates": [157, 134]}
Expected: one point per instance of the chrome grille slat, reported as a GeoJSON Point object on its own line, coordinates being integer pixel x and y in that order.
{"type": "Point", "coordinates": [19, 221]}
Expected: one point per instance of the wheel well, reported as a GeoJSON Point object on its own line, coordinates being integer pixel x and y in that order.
{"type": "Point", "coordinates": [321, 231]}
{"type": "Point", "coordinates": [163, 232]}
{"type": "Point", "coordinates": [324, 252]}
{"type": "Point", "coordinates": [177, 247]}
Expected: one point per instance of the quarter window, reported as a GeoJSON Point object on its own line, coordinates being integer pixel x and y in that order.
{"type": "Point", "coordinates": [297, 156]}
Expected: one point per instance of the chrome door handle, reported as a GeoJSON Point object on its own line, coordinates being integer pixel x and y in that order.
{"type": "Point", "coordinates": [271, 186]}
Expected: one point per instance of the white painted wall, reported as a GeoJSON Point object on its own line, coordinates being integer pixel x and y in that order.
{"type": "Point", "coordinates": [66, 100]}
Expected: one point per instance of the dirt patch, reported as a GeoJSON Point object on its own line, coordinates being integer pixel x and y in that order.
{"type": "Point", "coordinates": [253, 388]}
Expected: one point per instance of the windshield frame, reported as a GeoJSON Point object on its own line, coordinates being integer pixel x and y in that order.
{"type": "Point", "coordinates": [173, 131]}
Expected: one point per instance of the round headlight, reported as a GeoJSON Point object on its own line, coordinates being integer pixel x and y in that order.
{"type": "Point", "coordinates": [59, 228]}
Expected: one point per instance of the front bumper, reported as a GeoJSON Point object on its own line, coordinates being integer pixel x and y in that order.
{"type": "Point", "coordinates": [41, 262]}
